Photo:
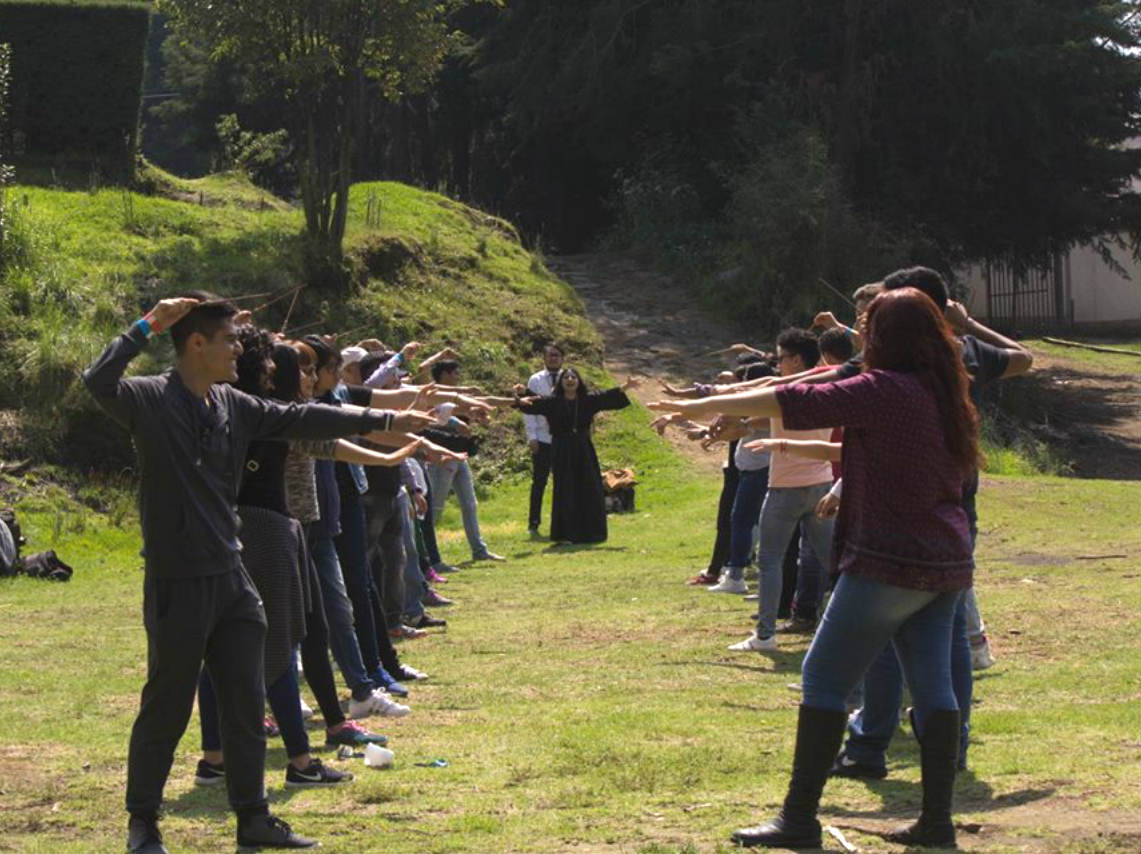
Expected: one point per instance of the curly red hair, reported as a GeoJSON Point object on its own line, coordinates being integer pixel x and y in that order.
{"type": "Point", "coordinates": [906, 332]}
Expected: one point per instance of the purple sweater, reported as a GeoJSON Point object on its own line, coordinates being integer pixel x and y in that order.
{"type": "Point", "coordinates": [901, 521]}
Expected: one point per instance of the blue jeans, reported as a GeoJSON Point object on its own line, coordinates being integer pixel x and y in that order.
{"type": "Point", "coordinates": [751, 489]}
{"type": "Point", "coordinates": [809, 579]}
{"type": "Point", "coordinates": [871, 729]}
{"type": "Point", "coordinates": [414, 583]}
{"type": "Point", "coordinates": [444, 477]}
{"type": "Point", "coordinates": [352, 551]}
{"type": "Point", "coordinates": [783, 510]}
{"type": "Point", "coordinates": [862, 616]}
{"type": "Point", "coordinates": [339, 615]}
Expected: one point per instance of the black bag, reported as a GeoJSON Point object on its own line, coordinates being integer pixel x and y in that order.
{"type": "Point", "coordinates": [48, 566]}
{"type": "Point", "coordinates": [11, 539]}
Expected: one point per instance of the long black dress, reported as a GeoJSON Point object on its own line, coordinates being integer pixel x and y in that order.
{"type": "Point", "coordinates": [578, 512]}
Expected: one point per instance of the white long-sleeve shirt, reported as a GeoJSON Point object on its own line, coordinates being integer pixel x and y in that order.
{"type": "Point", "coordinates": [541, 383]}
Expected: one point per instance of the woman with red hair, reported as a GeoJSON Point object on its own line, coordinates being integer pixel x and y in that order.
{"type": "Point", "coordinates": [901, 547]}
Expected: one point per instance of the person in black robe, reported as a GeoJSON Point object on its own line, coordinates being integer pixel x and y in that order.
{"type": "Point", "coordinates": [578, 512]}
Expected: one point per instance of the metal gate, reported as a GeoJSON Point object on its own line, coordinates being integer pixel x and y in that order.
{"type": "Point", "coordinates": [1031, 299]}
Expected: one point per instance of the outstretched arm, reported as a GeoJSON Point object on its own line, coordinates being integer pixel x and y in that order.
{"type": "Point", "coordinates": [1019, 358]}
{"type": "Point", "coordinates": [760, 403]}
{"type": "Point", "coordinates": [813, 449]}
{"type": "Point", "coordinates": [348, 452]}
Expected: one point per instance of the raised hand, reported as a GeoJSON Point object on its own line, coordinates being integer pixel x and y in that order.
{"type": "Point", "coordinates": [519, 389]}
{"type": "Point", "coordinates": [424, 393]}
{"type": "Point", "coordinates": [409, 350]}
{"type": "Point", "coordinates": [957, 317]}
{"type": "Point", "coordinates": [436, 454]}
{"type": "Point", "coordinates": [660, 423]}
{"type": "Point", "coordinates": [243, 317]}
{"type": "Point", "coordinates": [373, 345]}
{"type": "Point", "coordinates": [169, 311]}
{"type": "Point", "coordinates": [826, 320]}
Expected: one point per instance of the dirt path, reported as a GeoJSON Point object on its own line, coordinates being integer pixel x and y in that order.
{"type": "Point", "coordinates": [1088, 411]}
{"type": "Point", "coordinates": [649, 327]}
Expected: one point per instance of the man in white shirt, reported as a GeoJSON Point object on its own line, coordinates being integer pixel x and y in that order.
{"type": "Point", "coordinates": [542, 383]}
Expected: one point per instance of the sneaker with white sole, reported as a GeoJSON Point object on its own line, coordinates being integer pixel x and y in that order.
{"type": "Point", "coordinates": [407, 671]}
{"type": "Point", "coordinates": [377, 703]}
{"type": "Point", "coordinates": [981, 657]}
{"type": "Point", "coordinates": [755, 644]}
{"type": "Point", "coordinates": [315, 776]}
{"type": "Point", "coordinates": [728, 584]}
{"type": "Point", "coordinates": [306, 711]}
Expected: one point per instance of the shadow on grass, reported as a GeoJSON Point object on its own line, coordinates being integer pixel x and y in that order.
{"type": "Point", "coordinates": [569, 548]}
{"type": "Point", "coordinates": [902, 798]}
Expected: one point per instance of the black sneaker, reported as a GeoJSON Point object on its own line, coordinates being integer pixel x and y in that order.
{"type": "Point", "coordinates": [143, 837]}
{"type": "Point", "coordinates": [426, 622]}
{"type": "Point", "coordinates": [315, 776]}
{"type": "Point", "coordinates": [209, 775]}
{"type": "Point", "coordinates": [268, 831]}
{"type": "Point", "coordinates": [845, 766]}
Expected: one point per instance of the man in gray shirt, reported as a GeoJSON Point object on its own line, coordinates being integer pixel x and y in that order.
{"type": "Point", "coordinates": [191, 431]}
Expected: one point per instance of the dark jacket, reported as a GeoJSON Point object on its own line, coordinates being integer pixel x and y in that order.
{"type": "Point", "coordinates": [192, 451]}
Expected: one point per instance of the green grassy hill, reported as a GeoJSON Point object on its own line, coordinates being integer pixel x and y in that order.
{"type": "Point", "coordinates": [80, 266]}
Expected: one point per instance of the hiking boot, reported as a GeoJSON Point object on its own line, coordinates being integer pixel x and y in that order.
{"type": "Point", "coordinates": [354, 735]}
{"type": "Point", "coordinates": [208, 774]}
{"type": "Point", "coordinates": [818, 736]}
{"type": "Point", "coordinates": [314, 776]}
{"type": "Point", "coordinates": [263, 830]}
{"type": "Point", "coordinates": [143, 836]}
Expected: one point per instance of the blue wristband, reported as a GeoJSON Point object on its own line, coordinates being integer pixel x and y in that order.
{"type": "Point", "coordinates": [145, 326]}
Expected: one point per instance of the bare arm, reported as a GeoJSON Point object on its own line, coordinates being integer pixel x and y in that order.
{"type": "Point", "coordinates": [760, 403]}
{"type": "Point", "coordinates": [348, 452]}
{"type": "Point", "coordinates": [813, 449]}
{"type": "Point", "coordinates": [1019, 357]}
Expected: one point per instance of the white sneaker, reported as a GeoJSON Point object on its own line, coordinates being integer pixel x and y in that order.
{"type": "Point", "coordinates": [306, 711]}
{"type": "Point", "coordinates": [753, 597]}
{"type": "Point", "coordinates": [728, 584]}
{"type": "Point", "coordinates": [981, 658]}
{"type": "Point", "coordinates": [755, 644]}
{"type": "Point", "coordinates": [413, 673]}
{"type": "Point", "coordinates": [377, 703]}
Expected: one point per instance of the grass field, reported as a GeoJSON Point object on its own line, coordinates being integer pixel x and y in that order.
{"type": "Point", "coordinates": [585, 700]}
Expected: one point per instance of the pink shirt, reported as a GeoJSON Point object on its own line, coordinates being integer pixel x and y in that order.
{"type": "Point", "coordinates": [790, 470]}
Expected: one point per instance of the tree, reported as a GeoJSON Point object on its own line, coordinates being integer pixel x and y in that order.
{"type": "Point", "coordinates": [323, 58]}
{"type": "Point", "coordinates": [5, 169]}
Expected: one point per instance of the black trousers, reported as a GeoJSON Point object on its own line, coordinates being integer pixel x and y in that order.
{"type": "Point", "coordinates": [730, 476]}
{"type": "Point", "coordinates": [540, 472]}
{"type": "Point", "coordinates": [218, 619]}
{"type": "Point", "coordinates": [384, 533]}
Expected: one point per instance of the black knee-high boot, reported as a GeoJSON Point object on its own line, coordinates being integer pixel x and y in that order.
{"type": "Point", "coordinates": [818, 736]}
{"type": "Point", "coordinates": [938, 758]}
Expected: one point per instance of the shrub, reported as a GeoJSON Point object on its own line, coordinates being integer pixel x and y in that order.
{"type": "Point", "coordinates": [76, 85]}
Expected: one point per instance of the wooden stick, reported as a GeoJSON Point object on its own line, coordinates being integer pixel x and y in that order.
{"type": "Point", "coordinates": [1095, 347]}
{"type": "Point", "coordinates": [296, 294]}
{"type": "Point", "coordinates": [836, 292]}
{"type": "Point", "coordinates": [302, 326]}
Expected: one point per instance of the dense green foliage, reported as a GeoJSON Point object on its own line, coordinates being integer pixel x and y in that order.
{"type": "Point", "coordinates": [321, 60]}
{"type": "Point", "coordinates": [77, 76]}
{"type": "Point", "coordinates": [776, 141]}
{"type": "Point", "coordinates": [81, 266]}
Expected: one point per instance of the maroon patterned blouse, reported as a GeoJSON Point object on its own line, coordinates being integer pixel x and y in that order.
{"type": "Point", "coordinates": [901, 521]}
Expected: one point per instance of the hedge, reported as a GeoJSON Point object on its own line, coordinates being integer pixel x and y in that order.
{"type": "Point", "coordinates": [77, 74]}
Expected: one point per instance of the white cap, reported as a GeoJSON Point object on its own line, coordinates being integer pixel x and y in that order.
{"type": "Point", "coordinates": [352, 355]}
